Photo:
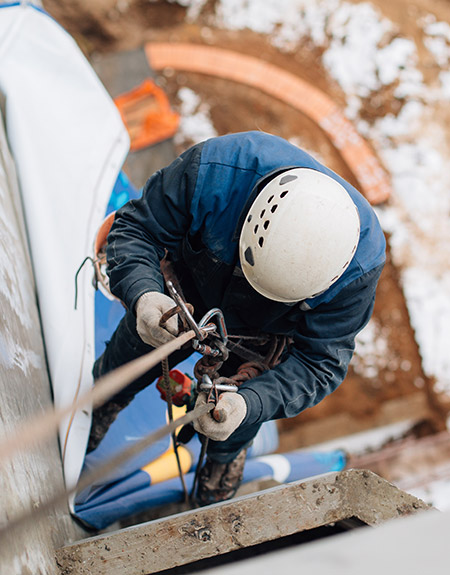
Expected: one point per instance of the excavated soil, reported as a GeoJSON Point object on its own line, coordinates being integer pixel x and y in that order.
{"type": "Point", "coordinates": [101, 27]}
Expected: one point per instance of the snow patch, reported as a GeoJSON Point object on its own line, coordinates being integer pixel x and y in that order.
{"type": "Point", "coordinates": [195, 120]}
{"type": "Point", "coordinates": [371, 351]}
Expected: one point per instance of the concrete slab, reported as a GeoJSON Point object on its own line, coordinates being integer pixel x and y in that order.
{"type": "Point", "coordinates": [242, 522]}
{"type": "Point", "coordinates": [413, 546]}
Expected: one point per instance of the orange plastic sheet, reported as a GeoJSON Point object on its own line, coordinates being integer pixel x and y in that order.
{"type": "Point", "coordinates": [147, 115]}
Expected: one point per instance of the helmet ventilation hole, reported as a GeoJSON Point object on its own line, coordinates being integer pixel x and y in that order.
{"type": "Point", "coordinates": [286, 179]}
{"type": "Point", "coordinates": [273, 208]}
{"type": "Point", "coordinates": [261, 242]}
{"type": "Point", "coordinates": [255, 230]}
{"type": "Point", "coordinates": [283, 193]}
{"type": "Point", "coordinates": [249, 219]}
{"type": "Point", "coordinates": [266, 224]}
{"type": "Point", "coordinates": [248, 255]}
{"type": "Point", "coordinates": [270, 199]}
{"type": "Point", "coordinates": [261, 215]}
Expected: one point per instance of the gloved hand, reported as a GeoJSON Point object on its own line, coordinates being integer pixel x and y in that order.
{"type": "Point", "coordinates": [225, 418]}
{"type": "Point", "coordinates": [149, 309]}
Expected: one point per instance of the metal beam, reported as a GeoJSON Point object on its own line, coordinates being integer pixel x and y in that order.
{"type": "Point", "coordinates": [242, 522]}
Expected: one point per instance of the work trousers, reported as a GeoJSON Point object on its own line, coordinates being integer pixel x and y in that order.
{"type": "Point", "coordinates": [126, 345]}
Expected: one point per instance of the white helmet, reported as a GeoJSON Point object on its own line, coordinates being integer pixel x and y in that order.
{"type": "Point", "coordinates": [299, 235]}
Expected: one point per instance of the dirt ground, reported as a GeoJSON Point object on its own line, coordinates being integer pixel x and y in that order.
{"type": "Point", "coordinates": [107, 26]}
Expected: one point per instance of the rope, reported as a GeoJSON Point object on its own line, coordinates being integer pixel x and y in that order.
{"type": "Point", "coordinates": [101, 471]}
{"type": "Point", "coordinates": [166, 380]}
{"type": "Point", "coordinates": [200, 460]}
{"type": "Point", "coordinates": [45, 425]}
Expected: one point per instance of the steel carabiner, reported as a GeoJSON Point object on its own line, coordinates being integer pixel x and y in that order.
{"type": "Point", "coordinates": [217, 330]}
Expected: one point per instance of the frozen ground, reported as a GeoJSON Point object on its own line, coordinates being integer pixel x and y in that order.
{"type": "Point", "coordinates": [364, 53]}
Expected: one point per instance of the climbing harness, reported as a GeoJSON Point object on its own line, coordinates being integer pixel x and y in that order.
{"type": "Point", "coordinates": [212, 342]}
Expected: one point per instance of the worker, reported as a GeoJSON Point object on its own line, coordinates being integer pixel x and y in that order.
{"type": "Point", "coordinates": [282, 245]}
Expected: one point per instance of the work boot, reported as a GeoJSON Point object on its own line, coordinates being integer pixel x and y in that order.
{"type": "Point", "coordinates": [220, 481]}
{"type": "Point", "coordinates": [102, 418]}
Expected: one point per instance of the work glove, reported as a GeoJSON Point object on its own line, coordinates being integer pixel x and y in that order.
{"type": "Point", "coordinates": [150, 307]}
{"type": "Point", "coordinates": [225, 418]}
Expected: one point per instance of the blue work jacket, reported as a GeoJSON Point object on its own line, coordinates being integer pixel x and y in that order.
{"type": "Point", "coordinates": [194, 209]}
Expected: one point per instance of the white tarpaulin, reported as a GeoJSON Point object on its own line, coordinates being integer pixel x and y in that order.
{"type": "Point", "coordinates": [69, 144]}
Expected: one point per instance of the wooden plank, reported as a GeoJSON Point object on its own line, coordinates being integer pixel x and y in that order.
{"type": "Point", "coordinates": [241, 522]}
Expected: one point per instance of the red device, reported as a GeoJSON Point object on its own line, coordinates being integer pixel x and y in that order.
{"type": "Point", "coordinates": [180, 387]}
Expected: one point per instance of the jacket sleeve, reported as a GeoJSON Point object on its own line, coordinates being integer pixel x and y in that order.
{"type": "Point", "coordinates": [318, 359]}
{"type": "Point", "coordinates": [144, 228]}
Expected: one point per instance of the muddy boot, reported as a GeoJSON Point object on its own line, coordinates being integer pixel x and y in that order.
{"type": "Point", "coordinates": [102, 419]}
{"type": "Point", "coordinates": [220, 481]}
